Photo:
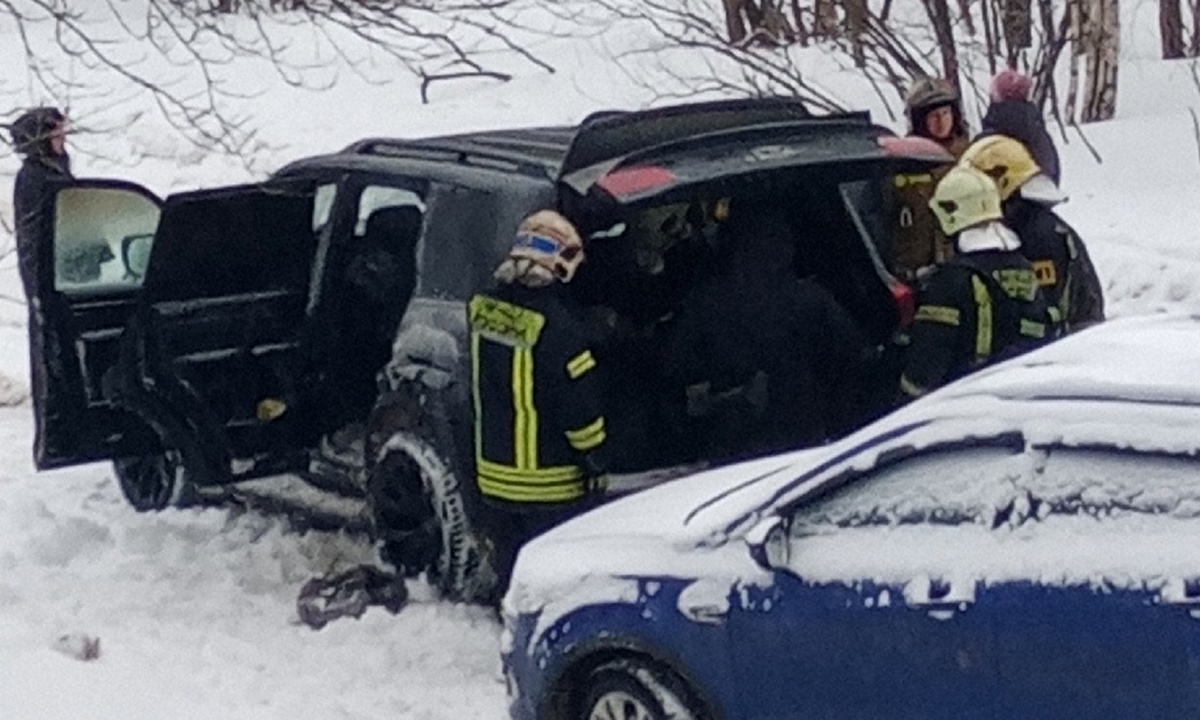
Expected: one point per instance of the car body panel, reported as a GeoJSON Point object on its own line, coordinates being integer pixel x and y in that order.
{"type": "Point", "coordinates": [83, 304]}
{"type": "Point", "coordinates": [1039, 607]}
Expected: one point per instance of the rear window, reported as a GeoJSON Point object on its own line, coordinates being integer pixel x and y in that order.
{"type": "Point", "coordinates": [234, 242]}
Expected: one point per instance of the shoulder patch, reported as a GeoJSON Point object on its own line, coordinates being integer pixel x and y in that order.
{"type": "Point", "coordinates": [504, 322]}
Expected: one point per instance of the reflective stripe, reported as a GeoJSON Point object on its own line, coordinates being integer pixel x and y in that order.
{"type": "Point", "coordinates": [983, 328]}
{"type": "Point", "coordinates": [562, 473]}
{"type": "Point", "coordinates": [1030, 328]}
{"type": "Point", "coordinates": [525, 416]}
{"type": "Point", "coordinates": [908, 387]}
{"type": "Point", "coordinates": [580, 364]}
{"type": "Point", "coordinates": [505, 323]}
{"type": "Point", "coordinates": [939, 314]}
{"type": "Point", "coordinates": [541, 493]}
{"type": "Point", "coordinates": [589, 436]}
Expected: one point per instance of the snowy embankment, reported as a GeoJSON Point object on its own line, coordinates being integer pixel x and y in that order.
{"type": "Point", "coordinates": [195, 609]}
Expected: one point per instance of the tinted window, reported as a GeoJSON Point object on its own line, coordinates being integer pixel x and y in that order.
{"type": "Point", "coordinates": [102, 238]}
{"type": "Point", "coordinates": [234, 241]}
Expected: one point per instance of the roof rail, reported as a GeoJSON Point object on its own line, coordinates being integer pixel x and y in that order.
{"type": "Point", "coordinates": [459, 150]}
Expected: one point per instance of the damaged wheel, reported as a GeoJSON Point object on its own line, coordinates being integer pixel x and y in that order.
{"type": "Point", "coordinates": [420, 516]}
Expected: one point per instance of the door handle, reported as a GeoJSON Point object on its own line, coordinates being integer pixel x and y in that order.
{"type": "Point", "coordinates": [1184, 594]}
{"type": "Point", "coordinates": [939, 597]}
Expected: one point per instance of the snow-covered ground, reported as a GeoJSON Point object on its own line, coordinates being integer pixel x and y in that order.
{"type": "Point", "coordinates": [195, 610]}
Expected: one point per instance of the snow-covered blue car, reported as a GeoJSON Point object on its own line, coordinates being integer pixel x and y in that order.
{"type": "Point", "coordinates": [1024, 543]}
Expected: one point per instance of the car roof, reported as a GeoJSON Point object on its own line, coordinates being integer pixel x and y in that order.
{"type": "Point", "coordinates": [534, 153]}
{"type": "Point", "coordinates": [1128, 383]}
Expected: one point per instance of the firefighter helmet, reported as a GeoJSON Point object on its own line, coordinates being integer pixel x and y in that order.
{"type": "Point", "coordinates": [1003, 159]}
{"type": "Point", "coordinates": [548, 242]}
{"type": "Point", "coordinates": [31, 130]}
{"type": "Point", "coordinates": [964, 198]}
{"type": "Point", "coordinates": [927, 92]}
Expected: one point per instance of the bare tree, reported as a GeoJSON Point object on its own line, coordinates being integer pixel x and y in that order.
{"type": "Point", "coordinates": [179, 51]}
{"type": "Point", "coordinates": [1101, 43]}
{"type": "Point", "coordinates": [1170, 29]}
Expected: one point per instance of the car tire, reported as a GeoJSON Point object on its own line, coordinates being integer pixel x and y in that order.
{"type": "Point", "coordinates": [153, 482]}
{"type": "Point", "coordinates": [633, 689]}
{"type": "Point", "coordinates": [420, 517]}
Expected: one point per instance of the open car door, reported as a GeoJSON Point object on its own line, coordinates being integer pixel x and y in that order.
{"type": "Point", "coordinates": [92, 247]}
{"type": "Point", "coordinates": [218, 357]}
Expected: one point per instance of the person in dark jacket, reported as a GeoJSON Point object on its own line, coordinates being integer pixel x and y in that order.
{"type": "Point", "coordinates": [935, 113]}
{"type": "Point", "coordinates": [983, 305]}
{"type": "Point", "coordinates": [1059, 257]}
{"type": "Point", "coordinates": [40, 136]}
{"type": "Point", "coordinates": [771, 360]}
{"type": "Point", "coordinates": [540, 433]}
{"type": "Point", "coordinates": [1011, 113]}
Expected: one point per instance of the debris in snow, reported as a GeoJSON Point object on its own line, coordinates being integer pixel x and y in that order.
{"type": "Point", "coordinates": [11, 392]}
{"type": "Point", "coordinates": [79, 646]}
{"type": "Point", "coordinates": [350, 593]}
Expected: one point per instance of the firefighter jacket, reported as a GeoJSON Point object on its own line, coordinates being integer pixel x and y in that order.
{"type": "Point", "coordinates": [539, 429]}
{"type": "Point", "coordinates": [1064, 269]}
{"type": "Point", "coordinates": [980, 307]}
{"type": "Point", "coordinates": [917, 239]}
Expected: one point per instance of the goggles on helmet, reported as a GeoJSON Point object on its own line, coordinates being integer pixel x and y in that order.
{"type": "Point", "coordinates": [539, 243]}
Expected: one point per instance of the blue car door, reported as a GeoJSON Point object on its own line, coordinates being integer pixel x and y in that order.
{"type": "Point", "coordinates": [1096, 600]}
{"type": "Point", "coordinates": [877, 612]}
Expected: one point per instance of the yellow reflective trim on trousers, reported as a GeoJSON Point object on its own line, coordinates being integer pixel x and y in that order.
{"type": "Point", "coordinates": [505, 491]}
{"type": "Point", "coordinates": [940, 314]}
{"type": "Point", "coordinates": [560, 473]}
{"type": "Point", "coordinates": [983, 328]}
{"type": "Point", "coordinates": [580, 364]}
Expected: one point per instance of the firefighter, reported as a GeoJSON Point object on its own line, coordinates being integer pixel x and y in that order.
{"type": "Point", "coordinates": [539, 429]}
{"type": "Point", "coordinates": [1064, 269]}
{"type": "Point", "coordinates": [983, 305]}
{"type": "Point", "coordinates": [934, 113]}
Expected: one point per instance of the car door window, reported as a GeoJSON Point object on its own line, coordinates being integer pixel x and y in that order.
{"type": "Point", "coordinates": [377, 197]}
{"type": "Point", "coordinates": [102, 238]}
{"type": "Point", "coordinates": [945, 487]}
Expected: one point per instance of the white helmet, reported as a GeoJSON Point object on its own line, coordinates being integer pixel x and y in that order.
{"type": "Point", "coordinates": [547, 248]}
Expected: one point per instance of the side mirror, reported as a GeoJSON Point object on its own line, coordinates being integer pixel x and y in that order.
{"type": "Point", "coordinates": [135, 255]}
{"type": "Point", "coordinates": [769, 543]}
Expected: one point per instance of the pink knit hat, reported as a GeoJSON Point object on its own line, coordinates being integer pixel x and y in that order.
{"type": "Point", "coordinates": [1010, 85]}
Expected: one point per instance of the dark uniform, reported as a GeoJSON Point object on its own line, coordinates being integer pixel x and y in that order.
{"type": "Point", "coordinates": [1064, 269]}
{"type": "Point", "coordinates": [782, 361]}
{"type": "Point", "coordinates": [979, 308]}
{"type": "Point", "coordinates": [539, 429]}
{"type": "Point", "coordinates": [41, 172]}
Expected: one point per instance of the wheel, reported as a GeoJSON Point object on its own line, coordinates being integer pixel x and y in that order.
{"type": "Point", "coordinates": [632, 689]}
{"type": "Point", "coordinates": [420, 516]}
{"type": "Point", "coordinates": [152, 482]}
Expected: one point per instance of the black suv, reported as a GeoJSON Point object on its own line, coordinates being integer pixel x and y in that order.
{"type": "Point", "coordinates": [232, 334]}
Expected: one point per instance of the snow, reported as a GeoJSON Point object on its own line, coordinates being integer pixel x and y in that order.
{"type": "Point", "coordinates": [195, 610]}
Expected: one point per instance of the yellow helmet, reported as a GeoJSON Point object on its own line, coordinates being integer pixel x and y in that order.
{"type": "Point", "coordinates": [547, 241]}
{"type": "Point", "coordinates": [964, 198]}
{"type": "Point", "coordinates": [1003, 159]}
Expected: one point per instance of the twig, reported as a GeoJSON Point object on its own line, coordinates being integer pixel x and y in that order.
{"type": "Point", "coordinates": [427, 80]}
{"type": "Point", "coordinates": [1195, 128]}
{"type": "Point", "coordinates": [1091, 148]}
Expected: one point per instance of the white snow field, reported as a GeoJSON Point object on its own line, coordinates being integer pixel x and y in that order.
{"type": "Point", "coordinates": [195, 609]}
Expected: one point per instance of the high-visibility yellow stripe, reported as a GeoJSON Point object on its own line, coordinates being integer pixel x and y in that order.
{"type": "Point", "coordinates": [560, 473]}
{"type": "Point", "coordinates": [525, 412]}
{"type": "Point", "coordinates": [530, 481]}
{"type": "Point", "coordinates": [596, 426]}
{"type": "Point", "coordinates": [1032, 329]}
{"type": "Point", "coordinates": [938, 314]}
{"type": "Point", "coordinates": [580, 364]}
{"type": "Point", "coordinates": [520, 419]}
{"type": "Point", "coordinates": [983, 328]}
{"type": "Point", "coordinates": [506, 491]}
